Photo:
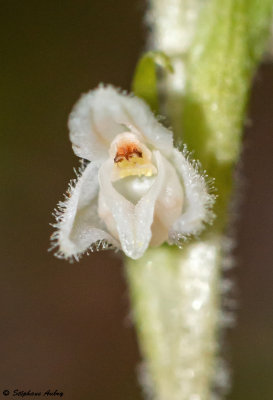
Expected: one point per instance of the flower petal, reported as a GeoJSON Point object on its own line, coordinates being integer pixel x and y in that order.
{"type": "Point", "coordinates": [103, 113]}
{"type": "Point", "coordinates": [168, 205]}
{"type": "Point", "coordinates": [79, 225]}
{"type": "Point", "coordinates": [197, 203]}
{"type": "Point", "coordinates": [132, 222]}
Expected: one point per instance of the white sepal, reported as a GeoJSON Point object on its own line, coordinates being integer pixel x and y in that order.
{"type": "Point", "coordinates": [198, 201]}
{"type": "Point", "coordinates": [102, 113]}
{"type": "Point", "coordinates": [77, 221]}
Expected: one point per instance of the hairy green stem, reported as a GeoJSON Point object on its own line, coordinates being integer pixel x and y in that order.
{"type": "Point", "coordinates": [214, 47]}
{"type": "Point", "coordinates": [175, 309]}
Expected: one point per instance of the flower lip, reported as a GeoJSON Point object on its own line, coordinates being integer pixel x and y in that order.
{"type": "Point", "coordinates": [130, 223]}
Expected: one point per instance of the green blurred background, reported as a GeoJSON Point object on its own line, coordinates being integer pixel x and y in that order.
{"type": "Point", "coordinates": [68, 327]}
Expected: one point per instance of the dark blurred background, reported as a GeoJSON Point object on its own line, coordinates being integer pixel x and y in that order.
{"type": "Point", "coordinates": [64, 326]}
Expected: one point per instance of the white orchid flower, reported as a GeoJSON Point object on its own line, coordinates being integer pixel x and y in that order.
{"type": "Point", "coordinates": [137, 191]}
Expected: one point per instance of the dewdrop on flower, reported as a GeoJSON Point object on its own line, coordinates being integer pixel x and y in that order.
{"type": "Point", "coordinates": [137, 190]}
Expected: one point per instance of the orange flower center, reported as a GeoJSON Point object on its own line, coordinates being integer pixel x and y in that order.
{"type": "Point", "coordinates": [127, 152]}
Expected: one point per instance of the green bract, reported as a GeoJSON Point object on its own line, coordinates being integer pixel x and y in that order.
{"type": "Point", "coordinates": [145, 79]}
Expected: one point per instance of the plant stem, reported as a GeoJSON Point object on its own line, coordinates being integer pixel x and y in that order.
{"type": "Point", "coordinates": [214, 47]}
{"type": "Point", "coordinates": [176, 307]}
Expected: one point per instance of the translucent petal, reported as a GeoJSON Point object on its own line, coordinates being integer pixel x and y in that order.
{"type": "Point", "coordinates": [132, 222]}
{"type": "Point", "coordinates": [80, 225]}
{"type": "Point", "coordinates": [197, 201]}
{"type": "Point", "coordinates": [103, 113]}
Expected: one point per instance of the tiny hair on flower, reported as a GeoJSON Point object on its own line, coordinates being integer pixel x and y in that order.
{"type": "Point", "coordinates": [134, 189]}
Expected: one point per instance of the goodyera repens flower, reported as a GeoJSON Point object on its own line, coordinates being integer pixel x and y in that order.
{"type": "Point", "coordinates": [137, 190]}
